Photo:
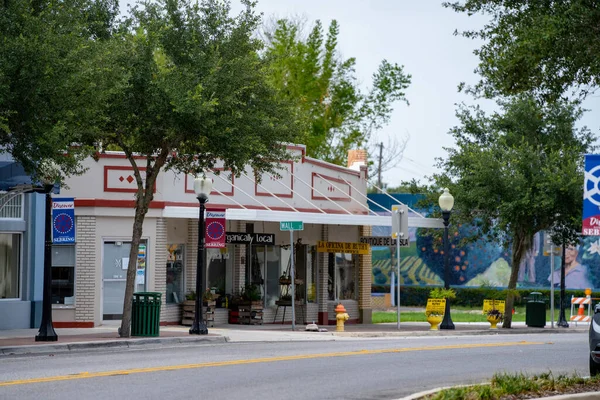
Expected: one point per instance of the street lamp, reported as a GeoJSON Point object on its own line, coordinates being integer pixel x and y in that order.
{"type": "Point", "coordinates": [46, 332]}
{"type": "Point", "coordinates": [446, 201]}
{"type": "Point", "coordinates": [202, 188]}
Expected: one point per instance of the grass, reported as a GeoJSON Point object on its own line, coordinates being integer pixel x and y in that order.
{"type": "Point", "coordinates": [521, 385]}
{"type": "Point", "coordinates": [459, 314]}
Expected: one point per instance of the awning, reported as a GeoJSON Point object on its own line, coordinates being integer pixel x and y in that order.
{"type": "Point", "coordinates": [238, 214]}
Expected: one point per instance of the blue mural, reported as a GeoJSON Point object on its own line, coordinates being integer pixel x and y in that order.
{"type": "Point", "coordinates": [483, 262]}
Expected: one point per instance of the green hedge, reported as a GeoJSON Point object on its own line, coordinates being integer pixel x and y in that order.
{"type": "Point", "coordinates": [473, 297]}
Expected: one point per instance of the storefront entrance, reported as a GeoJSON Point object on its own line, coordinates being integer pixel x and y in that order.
{"type": "Point", "coordinates": [114, 275]}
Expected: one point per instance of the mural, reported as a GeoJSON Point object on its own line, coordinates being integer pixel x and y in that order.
{"type": "Point", "coordinates": [483, 262]}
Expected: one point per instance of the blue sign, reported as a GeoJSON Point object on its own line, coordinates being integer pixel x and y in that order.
{"type": "Point", "coordinates": [63, 221]}
{"type": "Point", "coordinates": [591, 196]}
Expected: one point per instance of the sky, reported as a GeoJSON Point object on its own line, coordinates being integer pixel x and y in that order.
{"type": "Point", "coordinates": [419, 36]}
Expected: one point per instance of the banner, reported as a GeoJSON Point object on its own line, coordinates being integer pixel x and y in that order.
{"type": "Point", "coordinates": [591, 196]}
{"type": "Point", "coordinates": [63, 221]}
{"type": "Point", "coordinates": [214, 234]}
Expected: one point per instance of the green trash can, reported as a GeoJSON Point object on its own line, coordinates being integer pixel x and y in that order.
{"type": "Point", "coordinates": [145, 314]}
{"type": "Point", "coordinates": [535, 310]}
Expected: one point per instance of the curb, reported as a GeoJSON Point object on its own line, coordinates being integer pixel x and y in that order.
{"type": "Point", "coordinates": [101, 345]}
{"type": "Point", "coordinates": [453, 333]}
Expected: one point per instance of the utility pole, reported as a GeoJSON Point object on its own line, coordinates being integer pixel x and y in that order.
{"type": "Point", "coordinates": [379, 167]}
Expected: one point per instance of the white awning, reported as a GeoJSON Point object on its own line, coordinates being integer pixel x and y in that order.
{"type": "Point", "coordinates": [237, 214]}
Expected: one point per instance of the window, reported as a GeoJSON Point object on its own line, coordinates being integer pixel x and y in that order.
{"type": "Point", "coordinates": [342, 276]}
{"type": "Point", "coordinates": [63, 274]}
{"type": "Point", "coordinates": [10, 270]}
{"type": "Point", "coordinates": [175, 273]}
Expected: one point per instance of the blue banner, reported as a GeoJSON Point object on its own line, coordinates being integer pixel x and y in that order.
{"type": "Point", "coordinates": [591, 196]}
{"type": "Point", "coordinates": [63, 221]}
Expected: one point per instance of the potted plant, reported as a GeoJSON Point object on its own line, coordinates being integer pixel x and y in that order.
{"type": "Point", "coordinates": [284, 300]}
{"type": "Point", "coordinates": [435, 312]}
{"type": "Point", "coordinates": [251, 294]}
{"type": "Point", "coordinates": [494, 316]}
{"type": "Point", "coordinates": [208, 298]}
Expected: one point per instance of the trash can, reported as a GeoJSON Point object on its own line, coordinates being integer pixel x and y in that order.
{"type": "Point", "coordinates": [145, 314]}
{"type": "Point", "coordinates": [535, 310]}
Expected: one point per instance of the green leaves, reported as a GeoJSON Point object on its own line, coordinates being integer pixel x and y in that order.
{"type": "Point", "coordinates": [545, 47]}
{"type": "Point", "coordinates": [310, 74]}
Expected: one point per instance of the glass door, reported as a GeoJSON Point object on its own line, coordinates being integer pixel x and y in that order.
{"type": "Point", "coordinates": [114, 276]}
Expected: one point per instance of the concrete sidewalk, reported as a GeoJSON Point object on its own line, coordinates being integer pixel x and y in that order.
{"type": "Point", "coordinates": [22, 341]}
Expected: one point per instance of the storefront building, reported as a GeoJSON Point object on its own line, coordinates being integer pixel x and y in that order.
{"type": "Point", "coordinates": [330, 201]}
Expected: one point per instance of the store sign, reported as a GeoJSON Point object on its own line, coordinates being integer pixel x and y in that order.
{"type": "Point", "coordinates": [489, 305]}
{"type": "Point", "coordinates": [383, 241]}
{"type": "Point", "coordinates": [63, 221]}
{"type": "Point", "coordinates": [437, 306]}
{"type": "Point", "coordinates": [265, 239]}
{"type": "Point", "coordinates": [342, 247]}
{"type": "Point", "coordinates": [214, 234]}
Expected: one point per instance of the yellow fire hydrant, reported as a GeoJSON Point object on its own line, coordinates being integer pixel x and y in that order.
{"type": "Point", "coordinates": [341, 316]}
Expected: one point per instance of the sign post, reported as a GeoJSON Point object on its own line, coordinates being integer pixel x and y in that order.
{"type": "Point", "coordinates": [400, 232]}
{"type": "Point", "coordinates": [292, 226]}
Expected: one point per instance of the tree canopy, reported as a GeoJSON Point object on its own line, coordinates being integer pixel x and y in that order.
{"type": "Point", "coordinates": [546, 47]}
{"type": "Point", "coordinates": [512, 172]}
{"type": "Point", "coordinates": [42, 50]}
{"type": "Point", "coordinates": [310, 72]}
{"type": "Point", "coordinates": [182, 87]}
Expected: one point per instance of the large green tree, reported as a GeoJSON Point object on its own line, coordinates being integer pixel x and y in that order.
{"type": "Point", "coordinates": [182, 87]}
{"type": "Point", "coordinates": [514, 171]}
{"type": "Point", "coordinates": [310, 72]}
{"type": "Point", "coordinates": [43, 45]}
{"type": "Point", "coordinates": [548, 47]}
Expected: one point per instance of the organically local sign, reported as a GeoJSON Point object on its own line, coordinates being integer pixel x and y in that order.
{"type": "Point", "coordinates": [342, 247]}
{"type": "Point", "coordinates": [436, 306]}
{"type": "Point", "coordinates": [489, 305]}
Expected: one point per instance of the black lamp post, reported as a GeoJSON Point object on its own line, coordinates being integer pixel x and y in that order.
{"type": "Point", "coordinates": [446, 201]}
{"type": "Point", "coordinates": [46, 332]}
{"type": "Point", "coordinates": [562, 320]}
{"type": "Point", "coordinates": [202, 188]}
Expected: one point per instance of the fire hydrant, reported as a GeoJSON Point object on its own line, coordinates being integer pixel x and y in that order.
{"type": "Point", "coordinates": [341, 316]}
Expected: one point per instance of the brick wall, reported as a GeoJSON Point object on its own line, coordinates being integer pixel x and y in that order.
{"type": "Point", "coordinates": [191, 256]}
{"type": "Point", "coordinates": [85, 268]}
{"type": "Point", "coordinates": [365, 265]}
{"type": "Point", "coordinates": [167, 313]}
{"type": "Point", "coordinates": [239, 256]}
{"type": "Point", "coordinates": [323, 275]}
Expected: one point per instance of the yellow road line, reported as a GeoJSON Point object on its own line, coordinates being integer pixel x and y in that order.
{"type": "Point", "coordinates": [87, 375]}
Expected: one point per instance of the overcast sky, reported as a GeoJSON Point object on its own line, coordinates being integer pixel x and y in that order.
{"type": "Point", "coordinates": [418, 35]}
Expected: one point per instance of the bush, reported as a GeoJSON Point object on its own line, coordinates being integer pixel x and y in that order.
{"type": "Point", "coordinates": [473, 296]}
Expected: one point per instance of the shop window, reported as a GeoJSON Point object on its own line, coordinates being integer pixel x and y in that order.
{"type": "Point", "coordinates": [63, 274]}
{"type": "Point", "coordinates": [218, 274]}
{"type": "Point", "coordinates": [10, 262]}
{"type": "Point", "coordinates": [175, 259]}
{"type": "Point", "coordinates": [275, 257]}
{"type": "Point", "coordinates": [342, 276]}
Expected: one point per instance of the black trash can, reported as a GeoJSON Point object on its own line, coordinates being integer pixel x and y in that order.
{"type": "Point", "coordinates": [535, 310]}
{"type": "Point", "coordinates": [145, 314]}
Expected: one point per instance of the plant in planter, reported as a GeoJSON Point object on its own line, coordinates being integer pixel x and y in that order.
{"type": "Point", "coordinates": [207, 298]}
{"type": "Point", "coordinates": [494, 316]}
{"type": "Point", "coordinates": [251, 293]}
{"type": "Point", "coordinates": [435, 311]}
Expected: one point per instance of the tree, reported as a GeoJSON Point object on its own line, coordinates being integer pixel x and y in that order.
{"type": "Point", "coordinates": [43, 46]}
{"type": "Point", "coordinates": [311, 73]}
{"type": "Point", "coordinates": [182, 87]}
{"type": "Point", "coordinates": [542, 46]}
{"type": "Point", "coordinates": [511, 173]}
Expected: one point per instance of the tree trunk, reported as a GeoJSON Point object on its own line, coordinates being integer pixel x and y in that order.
{"type": "Point", "coordinates": [143, 198]}
{"type": "Point", "coordinates": [522, 241]}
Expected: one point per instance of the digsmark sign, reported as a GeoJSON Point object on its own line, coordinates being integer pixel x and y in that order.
{"type": "Point", "coordinates": [383, 241]}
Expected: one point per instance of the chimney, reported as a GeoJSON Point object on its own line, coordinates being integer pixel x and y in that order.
{"type": "Point", "coordinates": [356, 158]}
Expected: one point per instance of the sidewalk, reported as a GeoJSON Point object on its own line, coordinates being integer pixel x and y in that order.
{"type": "Point", "coordinates": [22, 341]}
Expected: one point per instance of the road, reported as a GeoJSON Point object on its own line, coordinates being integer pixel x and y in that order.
{"type": "Point", "coordinates": [383, 368]}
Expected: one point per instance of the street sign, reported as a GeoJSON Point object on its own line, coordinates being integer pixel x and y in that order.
{"type": "Point", "coordinates": [291, 225]}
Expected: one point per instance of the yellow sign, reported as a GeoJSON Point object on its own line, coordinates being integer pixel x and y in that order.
{"type": "Point", "coordinates": [489, 305]}
{"type": "Point", "coordinates": [342, 247]}
{"type": "Point", "coordinates": [437, 306]}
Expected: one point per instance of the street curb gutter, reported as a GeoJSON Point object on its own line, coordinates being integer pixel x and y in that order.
{"type": "Point", "coordinates": [102, 345]}
{"type": "Point", "coordinates": [577, 396]}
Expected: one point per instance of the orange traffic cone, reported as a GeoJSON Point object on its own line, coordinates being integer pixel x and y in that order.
{"type": "Point", "coordinates": [581, 310]}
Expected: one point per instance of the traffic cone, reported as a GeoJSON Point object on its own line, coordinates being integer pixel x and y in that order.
{"type": "Point", "coordinates": [581, 310]}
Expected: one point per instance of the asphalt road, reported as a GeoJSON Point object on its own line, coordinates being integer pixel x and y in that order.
{"type": "Point", "coordinates": [386, 368]}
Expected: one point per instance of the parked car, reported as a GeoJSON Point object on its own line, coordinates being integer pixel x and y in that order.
{"type": "Point", "coordinates": [595, 342]}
